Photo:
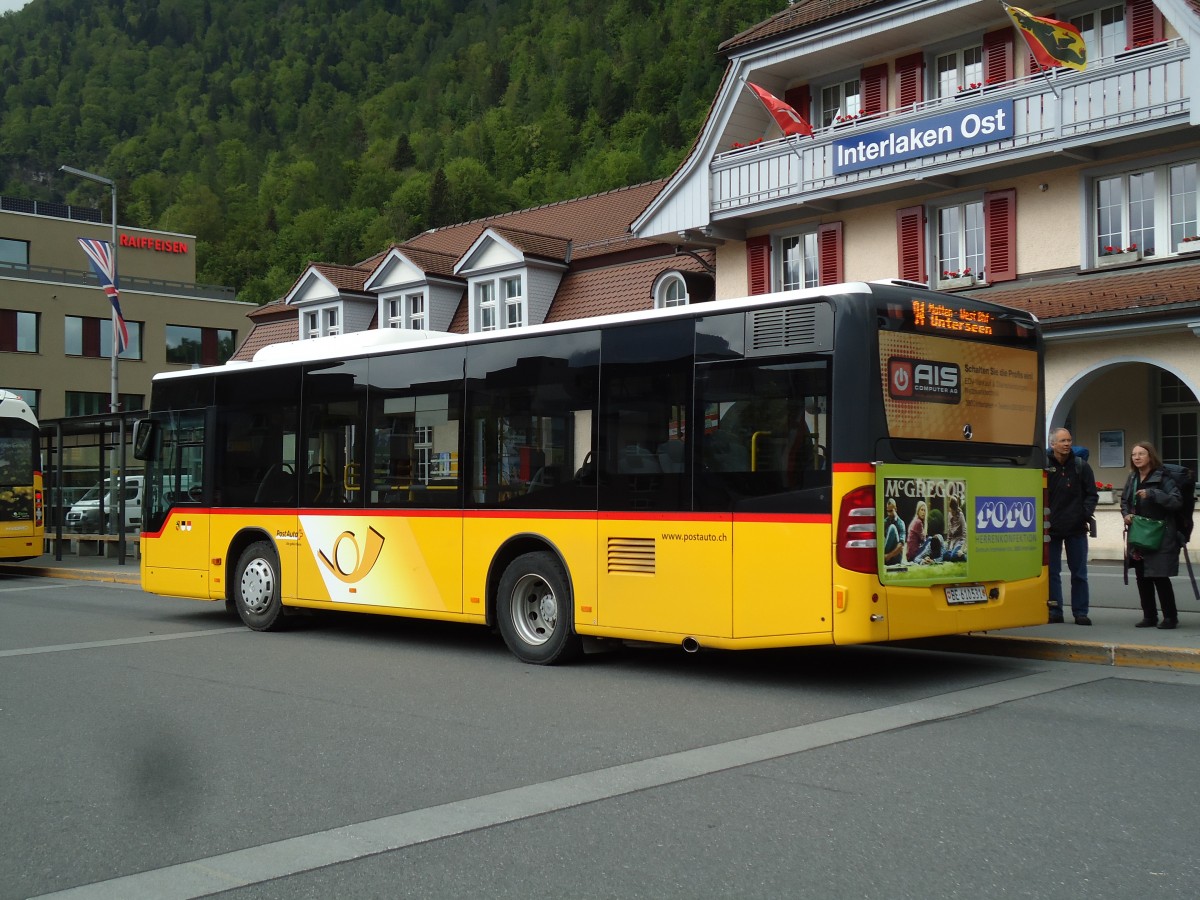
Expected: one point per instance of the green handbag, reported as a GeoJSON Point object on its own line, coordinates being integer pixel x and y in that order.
{"type": "Point", "coordinates": [1145, 533]}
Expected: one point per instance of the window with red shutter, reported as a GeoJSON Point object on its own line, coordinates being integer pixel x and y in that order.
{"type": "Point", "coordinates": [829, 253]}
{"type": "Point", "coordinates": [910, 80]}
{"type": "Point", "coordinates": [1143, 23]}
{"type": "Point", "coordinates": [998, 56]}
{"type": "Point", "coordinates": [758, 264]}
{"type": "Point", "coordinates": [910, 228]}
{"type": "Point", "coordinates": [1000, 235]}
{"type": "Point", "coordinates": [874, 89]}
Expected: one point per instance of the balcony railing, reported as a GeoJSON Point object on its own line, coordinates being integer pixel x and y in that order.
{"type": "Point", "coordinates": [1123, 96]}
{"type": "Point", "coordinates": [52, 275]}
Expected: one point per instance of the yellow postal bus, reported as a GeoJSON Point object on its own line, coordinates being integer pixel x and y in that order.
{"type": "Point", "coordinates": [22, 514]}
{"type": "Point", "coordinates": [733, 474]}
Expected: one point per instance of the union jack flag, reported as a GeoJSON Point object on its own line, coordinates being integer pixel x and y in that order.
{"type": "Point", "coordinates": [99, 254]}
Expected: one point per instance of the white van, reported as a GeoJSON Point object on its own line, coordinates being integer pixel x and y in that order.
{"type": "Point", "coordinates": [84, 515]}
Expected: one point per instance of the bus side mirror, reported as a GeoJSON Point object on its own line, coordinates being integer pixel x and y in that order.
{"type": "Point", "coordinates": [145, 439]}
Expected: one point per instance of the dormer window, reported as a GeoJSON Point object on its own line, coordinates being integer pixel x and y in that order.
{"type": "Point", "coordinates": [321, 322]}
{"type": "Point", "coordinates": [407, 311]}
{"type": "Point", "coordinates": [671, 291]}
{"type": "Point", "coordinates": [485, 300]}
{"type": "Point", "coordinates": [514, 302]}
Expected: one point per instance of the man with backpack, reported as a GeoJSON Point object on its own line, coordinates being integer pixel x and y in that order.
{"type": "Point", "coordinates": [1073, 497]}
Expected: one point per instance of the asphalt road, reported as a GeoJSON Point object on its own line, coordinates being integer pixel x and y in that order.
{"type": "Point", "coordinates": [152, 747]}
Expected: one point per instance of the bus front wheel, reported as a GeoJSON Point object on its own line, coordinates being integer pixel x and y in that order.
{"type": "Point", "coordinates": [256, 588]}
{"type": "Point", "coordinates": [534, 610]}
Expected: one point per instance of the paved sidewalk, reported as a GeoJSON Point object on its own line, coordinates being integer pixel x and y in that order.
{"type": "Point", "coordinates": [1110, 640]}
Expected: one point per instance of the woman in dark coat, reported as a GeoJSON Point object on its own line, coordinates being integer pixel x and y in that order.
{"type": "Point", "coordinates": [1152, 493]}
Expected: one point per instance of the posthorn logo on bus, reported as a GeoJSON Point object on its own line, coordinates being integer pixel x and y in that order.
{"type": "Point", "coordinates": [924, 379]}
{"type": "Point", "coordinates": [1005, 515]}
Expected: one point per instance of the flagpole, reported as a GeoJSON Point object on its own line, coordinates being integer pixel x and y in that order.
{"type": "Point", "coordinates": [116, 465]}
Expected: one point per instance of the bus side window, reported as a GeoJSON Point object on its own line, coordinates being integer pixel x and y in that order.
{"type": "Point", "coordinates": [763, 421]}
{"type": "Point", "coordinates": [645, 403]}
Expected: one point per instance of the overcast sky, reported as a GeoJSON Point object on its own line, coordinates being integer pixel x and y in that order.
{"type": "Point", "coordinates": [6, 5]}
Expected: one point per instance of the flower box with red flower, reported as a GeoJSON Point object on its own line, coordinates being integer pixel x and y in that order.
{"type": "Point", "coordinates": [1116, 256]}
{"type": "Point", "coordinates": [953, 280]}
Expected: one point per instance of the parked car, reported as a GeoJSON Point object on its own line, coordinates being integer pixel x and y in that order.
{"type": "Point", "coordinates": [84, 515]}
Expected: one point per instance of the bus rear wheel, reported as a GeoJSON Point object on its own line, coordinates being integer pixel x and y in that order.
{"type": "Point", "coordinates": [534, 610]}
{"type": "Point", "coordinates": [256, 588]}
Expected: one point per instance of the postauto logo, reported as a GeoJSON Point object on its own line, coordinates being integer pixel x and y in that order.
{"type": "Point", "coordinates": [1005, 515]}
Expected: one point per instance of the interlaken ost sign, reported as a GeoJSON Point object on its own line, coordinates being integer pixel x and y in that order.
{"type": "Point", "coordinates": [937, 134]}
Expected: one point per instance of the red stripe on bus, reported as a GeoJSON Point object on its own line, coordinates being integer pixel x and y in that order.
{"type": "Point", "coordinates": [853, 467]}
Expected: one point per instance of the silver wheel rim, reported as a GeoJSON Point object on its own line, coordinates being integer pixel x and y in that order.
{"type": "Point", "coordinates": [258, 586]}
{"type": "Point", "coordinates": [534, 610]}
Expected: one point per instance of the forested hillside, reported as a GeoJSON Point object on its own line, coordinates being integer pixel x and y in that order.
{"type": "Point", "coordinates": [280, 132]}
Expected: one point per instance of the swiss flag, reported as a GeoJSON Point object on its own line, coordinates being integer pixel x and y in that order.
{"type": "Point", "coordinates": [789, 121]}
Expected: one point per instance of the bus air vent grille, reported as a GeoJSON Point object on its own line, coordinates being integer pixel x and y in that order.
{"type": "Point", "coordinates": [631, 555]}
{"type": "Point", "coordinates": [789, 329]}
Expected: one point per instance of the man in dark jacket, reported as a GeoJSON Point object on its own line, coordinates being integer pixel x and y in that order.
{"type": "Point", "coordinates": [1073, 496]}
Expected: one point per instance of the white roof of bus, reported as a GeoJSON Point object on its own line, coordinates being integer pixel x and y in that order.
{"type": "Point", "coordinates": [13, 407]}
{"type": "Point", "coordinates": [362, 343]}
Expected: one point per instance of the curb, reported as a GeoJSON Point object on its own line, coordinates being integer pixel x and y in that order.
{"type": "Point", "coordinates": [102, 575]}
{"type": "Point", "coordinates": [1179, 659]}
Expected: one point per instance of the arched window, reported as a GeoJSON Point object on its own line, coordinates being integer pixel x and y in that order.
{"type": "Point", "coordinates": [671, 290]}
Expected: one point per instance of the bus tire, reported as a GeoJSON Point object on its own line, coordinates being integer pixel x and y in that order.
{"type": "Point", "coordinates": [534, 610]}
{"type": "Point", "coordinates": [256, 588]}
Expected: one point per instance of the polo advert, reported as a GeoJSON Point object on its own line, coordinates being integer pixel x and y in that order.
{"type": "Point", "coordinates": [954, 524]}
{"type": "Point", "coordinates": [950, 390]}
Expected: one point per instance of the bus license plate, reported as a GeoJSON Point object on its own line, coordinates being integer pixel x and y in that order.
{"type": "Point", "coordinates": [973, 593]}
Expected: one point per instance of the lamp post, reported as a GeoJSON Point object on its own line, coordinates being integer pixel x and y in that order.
{"type": "Point", "coordinates": [117, 467]}
{"type": "Point", "coordinates": [114, 404]}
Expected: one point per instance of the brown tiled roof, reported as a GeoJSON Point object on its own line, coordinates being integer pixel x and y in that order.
{"type": "Point", "coordinates": [1150, 291]}
{"type": "Point", "coordinates": [614, 289]}
{"type": "Point", "coordinates": [269, 309]}
{"type": "Point", "coordinates": [545, 246]}
{"type": "Point", "coordinates": [270, 332]}
{"type": "Point", "coordinates": [345, 278]}
{"type": "Point", "coordinates": [595, 224]}
{"type": "Point", "coordinates": [795, 17]}
{"type": "Point", "coordinates": [429, 261]}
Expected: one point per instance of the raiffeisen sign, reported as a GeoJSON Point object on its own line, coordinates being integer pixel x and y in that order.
{"type": "Point", "coordinates": [138, 242]}
{"type": "Point", "coordinates": [937, 134]}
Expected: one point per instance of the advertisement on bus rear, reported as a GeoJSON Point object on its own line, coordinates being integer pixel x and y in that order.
{"type": "Point", "coordinates": [937, 388]}
{"type": "Point", "coordinates": [958, 524]}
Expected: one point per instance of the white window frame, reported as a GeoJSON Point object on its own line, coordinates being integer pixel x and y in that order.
{"type": "Point", "coordinates": [842, 100]}
{"type": "Point", "coordinates": [1103, 32]}
{"type": "Point", "coordinates": [959, 240]}
{"type": "Point", "coordinates": [485, 304]}
{"type": "Point", "coordinates": [957, 70]}
{"type": "Point", "coordinates": [799, 260]}
{"type": "Point", "coordinates": [408, 311]}
{"type": "Point", "coordinates": [1153, 207]}
{"type": "Point", "coordinates": [324, 321]}
{"type": "Point", "coordinates": [671, 291]}
{"type": "Point", "coordinates": [330, 321]}
{"type": "Point", "coordinates": [312, 324]}
{"type": "Point", "coordinates": [512, 289]}
{"type": "Point", "coordinates": [1178, 420]}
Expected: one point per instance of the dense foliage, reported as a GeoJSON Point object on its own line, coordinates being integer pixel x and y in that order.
{"type": "Point", "coordinates": [284, 132]}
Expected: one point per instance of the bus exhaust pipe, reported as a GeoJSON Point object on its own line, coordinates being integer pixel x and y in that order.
{"type": "Point", "coordinates": [691, 645]}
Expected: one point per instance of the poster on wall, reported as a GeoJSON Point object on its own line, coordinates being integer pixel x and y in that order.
{"type": "Point", "coordinates": [956, 524]}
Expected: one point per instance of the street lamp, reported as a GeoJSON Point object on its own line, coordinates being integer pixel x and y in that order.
{"type": "Point", "coordinates": [114, 404]}
{"type": "Point", "coordinates": [117, 467]}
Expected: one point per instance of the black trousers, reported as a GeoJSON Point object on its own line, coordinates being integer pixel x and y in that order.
{"type": "Point", "coordinates": [1146, 588]}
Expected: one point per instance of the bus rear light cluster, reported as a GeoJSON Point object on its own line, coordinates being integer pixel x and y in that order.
{"type": "Point", "coordinates": [856, 543]}
{"type": "Point", "coordinates": [39, 512]}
